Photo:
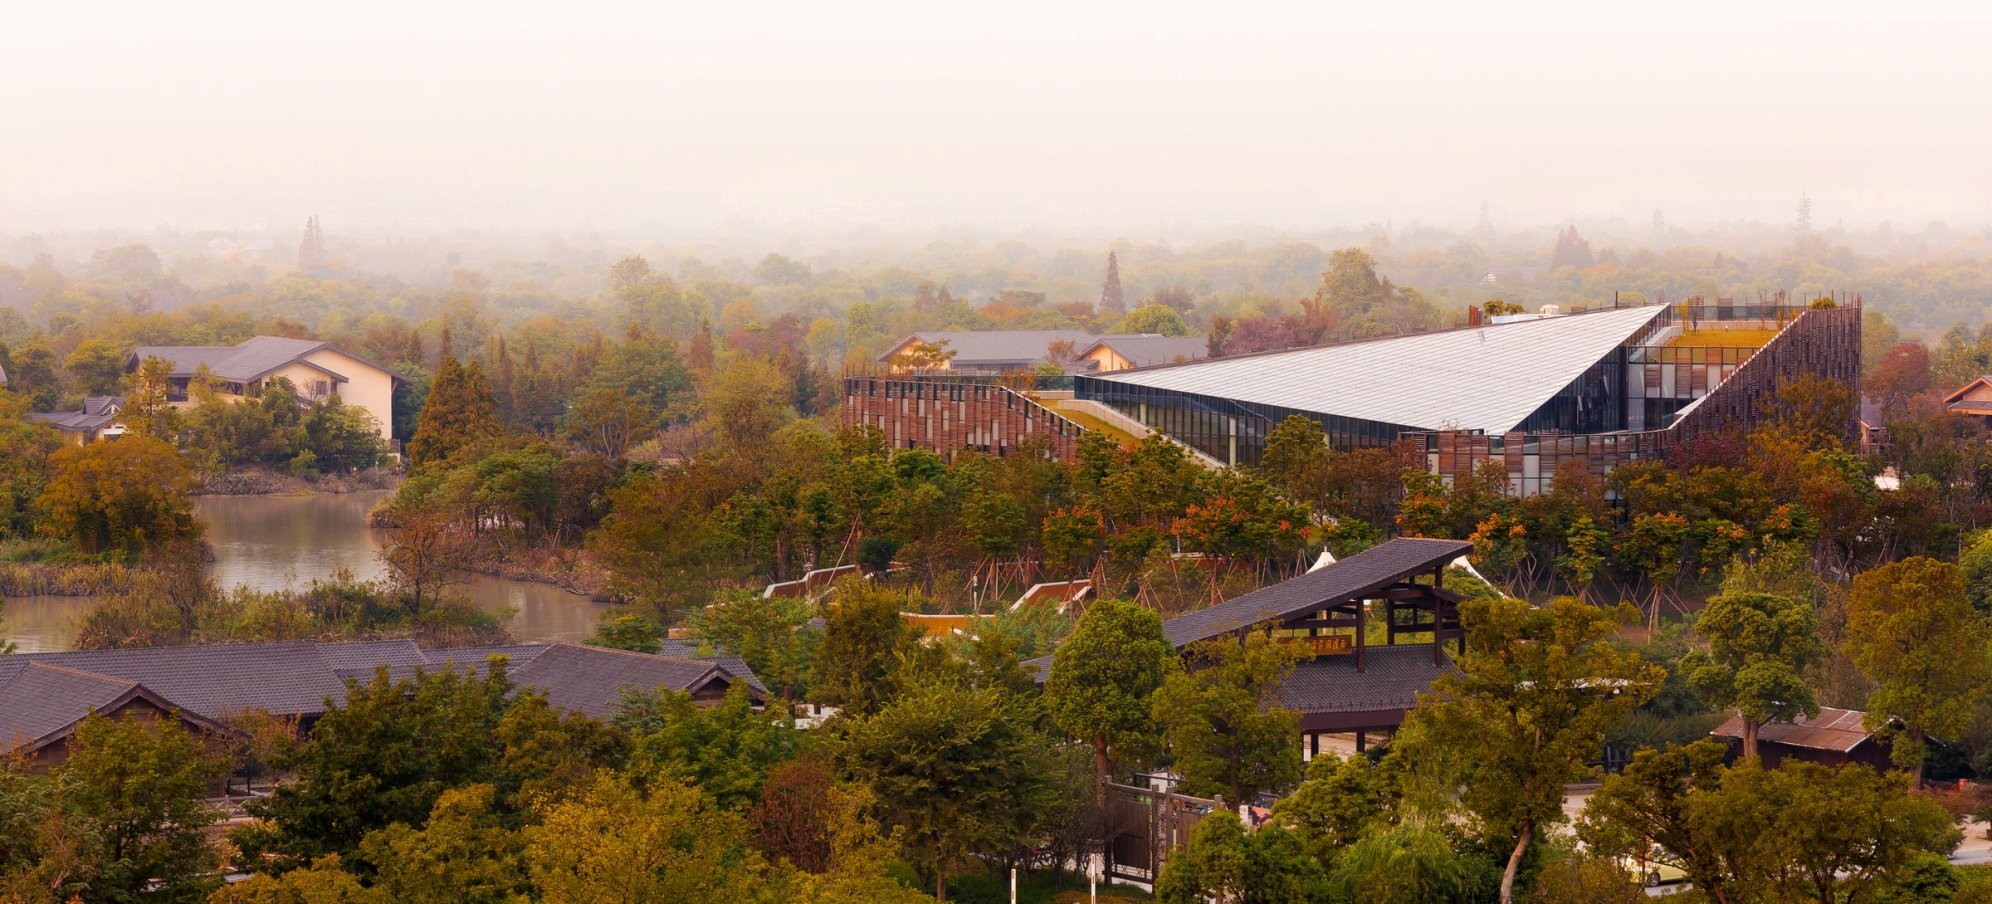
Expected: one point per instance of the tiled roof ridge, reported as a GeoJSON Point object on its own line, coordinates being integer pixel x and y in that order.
{"type": "Point", "coordinates": [649, 656]}
{"type": "Point", "coordinates": [85, 673]}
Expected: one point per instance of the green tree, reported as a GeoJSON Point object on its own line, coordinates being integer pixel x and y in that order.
{"type": "Point", "coordinates": [1341, 801]}
{"type": "Point", "coordinates": [771, 634]}
{"type": "Point", "coordinates": [1788, 835]}
{"type": "Point", "coordinates": [383, 756]}
{"type": "Point", "coordinates": [744, 402]}
{"type": "Point", "coordinates": [547, 752]}
{"type": "Point", "coordinates": [631, 838]}
{"type": "Point", "coordinates": [860, 858]}
{"type": "Point", "coordinates": [123, 497]}
{"type": "Point", "coordinates": [1224, 864]}
{"type": "Point", "coordinates": [863, 636]}
{"type": "Point", "coordinates": [1643, 813]}
{"type": "Point", "coordinates": [1222, 721]}
{"type": "Point", "coordinates": [33, 374]}
{"type": "Point", "coordinates": [341, 438]}
{"type": "Point", "coordinates": [459, 414]}
{"type": "Point", "coordinates": [1410, 863]}
{"type": "Point", "coordinates": [1112, 300]}
{"type": "Point", "coordinates": [146, 410]}
{"type": "Point", "coordinates": [725, 751]}
{"type": "Point", "coordinates": [607, 422]}
{"type": "Point", "coordinates": [1102, 678]}
{"type": "Point", "coordinates": [24, 464]}
{"type": "Point", "coordinates": [1298, 462]}
{"type": "Point", "coordinates": [1528, 710]}
{"type": "Point", "coordinates": [142, 786]}
{"type": "Point", "coordinates": [1976, 561]}
{"type": "Point", "coordinates": [1912, 632]}
{"type": "Point", "coordinates": [1760, 647]}
{"type": "Point", "coordinates": [1154, 318]}
{"type": "Point", "coordinates": [1211, 866]}
{"type": "Point", "coordinates": [959, 771]}
{"type": "Point", "coordinates": [222, 434]}
{"type": "Point", "coordinates": [464, 853]}
{"type": "Point", "coordinates": [324, 882]}
{"type": "Point", "coordinates": [98, 365]}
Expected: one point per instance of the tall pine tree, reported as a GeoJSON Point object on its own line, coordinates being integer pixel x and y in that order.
{"type": "Point", "coordinates": [311, 251]}
{"type": "Point", "coordinates": [459, 414]}
{"type": "Point", "coordinates": [1111, 300]}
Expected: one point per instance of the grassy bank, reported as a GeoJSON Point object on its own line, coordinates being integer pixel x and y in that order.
{"type": "Point", "coordinates": [571, 570]}
{"type": "Point", "coordinates": [45, 568]}
{"type": "Point", "coordinates": [171, 608]}
{"type": "Point", "coordinates": [267, 482]}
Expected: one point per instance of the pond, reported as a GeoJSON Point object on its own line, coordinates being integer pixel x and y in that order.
{"type": "Point", "coordinates": [278, 542]}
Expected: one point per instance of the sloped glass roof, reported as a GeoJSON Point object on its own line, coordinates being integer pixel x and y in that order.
{"type": "Point", "coordinates": [1486, 378]}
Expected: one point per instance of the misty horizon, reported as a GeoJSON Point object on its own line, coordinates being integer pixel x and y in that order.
{"type": "Point", "coordinates": [802, 121]}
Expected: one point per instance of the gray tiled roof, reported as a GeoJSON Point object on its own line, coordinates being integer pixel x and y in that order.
{"type": "Point", "coordinates": [677, 648]}
{"type": "Point", "coordinates": [591, 679]}
{"type": "Point", "coordinates": [1487, 378]}
{"type": "Point", "coordinates": [360, 659]}
{"type": "Point", "coordinates": [1148, 351]}
{"type": "Point", "coordinates": [97, 412]}
{"type": "Point", "coordinates": [42, 700]}
{"type": "Point", "coordinates": [518, 653]}
{"type": "Point", "coordinates": [219, 680]}
{"type": "Point", "coordinates": [1392, 678]}
{"type": "Point", "coordinates": [984, 347]}
{"type": "Point", "coordinates": [248, 361]}
{"type": "Point", "coordinates": [1351, 578]}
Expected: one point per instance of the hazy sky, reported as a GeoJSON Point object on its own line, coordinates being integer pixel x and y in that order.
{"type": "Point", "coordinates": [1131, 118]}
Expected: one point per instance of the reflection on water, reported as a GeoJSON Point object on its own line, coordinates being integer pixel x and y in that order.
{"type": "Point", "coordinates": [277, 542]}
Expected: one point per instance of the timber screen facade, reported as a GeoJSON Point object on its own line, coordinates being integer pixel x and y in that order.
{"type": "Point", "coordinates": [1602, 387]}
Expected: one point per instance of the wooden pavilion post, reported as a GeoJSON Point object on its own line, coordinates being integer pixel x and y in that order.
{"type": "Point", "coordinates": [1362, 606]}
{"type": "Point", "coordinates": [1438, 616]}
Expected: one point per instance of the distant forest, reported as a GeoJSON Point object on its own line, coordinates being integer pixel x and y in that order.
{"type": "Point", "coordinates": [851, 296]}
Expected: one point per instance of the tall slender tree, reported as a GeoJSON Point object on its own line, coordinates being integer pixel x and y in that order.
{"type": "Point", "coordinates": [1111, 299]}
{"type": "Point", "coordinates": [311, 250]}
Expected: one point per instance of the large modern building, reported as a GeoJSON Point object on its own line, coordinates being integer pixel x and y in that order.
{"type": "Point", "coordinates": [1603, 386]}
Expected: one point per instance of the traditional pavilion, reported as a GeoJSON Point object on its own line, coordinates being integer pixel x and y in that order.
{"type": "Point", "coordinates": [1349, 685]}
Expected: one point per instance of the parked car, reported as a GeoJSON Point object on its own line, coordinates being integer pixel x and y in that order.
{"type": "Point", "coordinates": [1650, 872]}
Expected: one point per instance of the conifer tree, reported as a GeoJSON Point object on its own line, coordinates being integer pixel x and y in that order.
{"type": "Point", "coordinates": [1572, 251]}
{"type": "Point", "coordinates": [698, 352]}
{"type": "Point", "coordinates": [458, 414]}
{"type": "Point", "coordinates": [1111, 300]}
{"type": "Point", "coordinates": [504, 387]}
{"type": "Point", "coordinates": [311, 251]}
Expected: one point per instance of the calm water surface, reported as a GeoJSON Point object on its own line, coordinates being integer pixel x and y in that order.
{"type": "Point", "coordinates": [278, 542]}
